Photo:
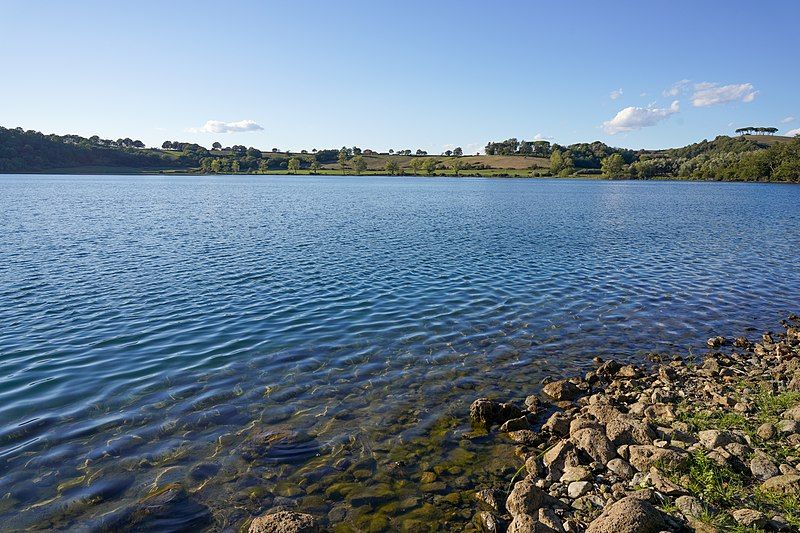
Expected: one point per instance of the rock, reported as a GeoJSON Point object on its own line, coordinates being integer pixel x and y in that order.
{"type": "Point", "coordinates": [515, 424]}
{"type": "Point", "coordinates": [525, 498]}
{"type": "Point", "coordinates": [533, 403]}
{"type": "Point", "coordinates": [533, 465]}
{"type": "Point", "coordinates": [490, 498]}
{"type": "Point", "coordinates": [595, 444]}
{"type": "Point", "coordinates": [525, 436]}
{"type": "Point", "coordinates": [628, 515]}
{"type": "Point", "coordinates": [488, 522]}
{"type": "Point", "coordinates": [588, 502]}
{"type": "Point", "coordinates": [749, 518]}
{"type": "Point", "coordinates": [779, 523]}
{"type": "Point", "coordinates": [284, 522]}
{"type": "Point", "coordinates": [628, 372]}
{"type": "Point", "coordinates": [713, 438]}
{"type": "Point", "coordinates": [548, 518]}
{"type": "Point", "coordinates": [792, 414]}
{"type": "Point", "coordinates": [583, 422]}
{"type": "Point", "coordinates": [524, 523]}
{"type": "Point", "coordinates": [738, 451]}
{"type": "Point", "coordinates": [558, 424]}
{"type": "Point", "coordinates": [562, 390]}
{"type": "Point", "coordinates": [557, 454]}
{"type": "Point", "coordinates": [427, 477]}
{"type": "Point", "coordinates": [664, 485]}
{"type": "Point", "coordinates": [489, 413]}
{"type": "Point", "coordinates": [766, 431]}
{"type": "Point", "coordinates": [608, 369]}
{"type": "Point", "coordinates": [576, 489]}
{"type": "Point", "coordinates": [168, 508]}
{"type": "Point", "coordinates": [788, 427]}
{"type": "Point", "coordinates": [621, 468]}
{"type": "Point", "coordinates": [762, 467]}
{"type": "Point", "coordinates": [643, 457]}
{"type": "Point", "coordinates": [575, 473]}
{"type": "Point", "coordinates": [690, 506]}
{"type": "Point", "coordinates": [626, 430]}
{"type": "Point", "coordinates": [646, 495]}
{"type": "Point", "coordinates": [715, 342]}
{"type": "Point", "coordinates": [783, 484]}
{"type": "Point", "coordinates": [741, 342]}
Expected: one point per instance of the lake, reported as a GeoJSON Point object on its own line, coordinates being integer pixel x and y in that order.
{"type": "Point", "coordinates": [317, 341]}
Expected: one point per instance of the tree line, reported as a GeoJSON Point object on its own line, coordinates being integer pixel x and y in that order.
{"type": "Point", "coordinates": [751, 130]}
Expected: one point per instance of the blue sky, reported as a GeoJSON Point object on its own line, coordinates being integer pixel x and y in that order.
{"type": "Point", "coordinates": [380, 74]}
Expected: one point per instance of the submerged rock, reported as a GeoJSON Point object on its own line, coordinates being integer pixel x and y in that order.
{"type": "Point", "coordinates": [489, 413]}
{"type": "Point", "coordinates": [284, 522]}
{"type": "Point", "coordinates": [168, 509]}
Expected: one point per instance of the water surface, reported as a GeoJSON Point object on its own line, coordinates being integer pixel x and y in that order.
{"type": "Point", "coordinates": [264, 340]}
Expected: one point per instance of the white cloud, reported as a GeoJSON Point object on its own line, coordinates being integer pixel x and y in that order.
{"type": "Point", "coordinates": [677, 88]}
{"type": "Point", "coordinates": [540, 137]}
{"type": "Point", "coordinates": [792, 133]}
{"type": "Point", "coordinates": [217, 126]}
{"type": "Point", "coordinates": [615, 94]}
{"type": "Point", "coordinates": [706, 94]}
{"type": "Point", "coordinates": [635, 118]}
{"type": "Point", "coordinates": [787, 120]}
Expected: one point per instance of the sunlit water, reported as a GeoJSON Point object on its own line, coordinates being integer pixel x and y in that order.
{"type": "Point", "coordinates": [292, 340]}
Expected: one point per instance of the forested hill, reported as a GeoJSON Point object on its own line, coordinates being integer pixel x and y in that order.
{"type": "Point", "coordinates": [741, 158]}
{"type": "Point", "coordinates": [31, 151]}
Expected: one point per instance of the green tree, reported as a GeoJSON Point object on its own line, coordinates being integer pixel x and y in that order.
{"type": "Point", "coordinates": [216, 146]}
{"type": "Point", "coordinates": [613, 166]}
{"type": "Point", "coordinates": [314, 167]}
{"type": "Point", "coordinates": [294, 165]}
{"type": "Point", "coordinates": [235, 165]}
{"type": "Point", "coordinates": [458, 152]}
{"type": "Point", "coordinates": [391, 167]}
{"type": "Point", "coordinates": [560, 164]}
{"type": "Point", "coordinates": [342, 159]}
{"type": "Point", "coordinates": [429, 166]}
{"type": "Point", "coordinates": [457, 165]}
{"type": "Point", "coordinates": [359, 165]}
{"type": "Point", "coordinates": [416, 165]}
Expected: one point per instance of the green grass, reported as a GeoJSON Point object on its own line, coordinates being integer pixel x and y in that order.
{"type": "Point", "coordinates": [720, 487]}
{"type": "Point", "coordinates": [700, 420]}
{"type": "Point", "coordinates": [789, 505]}
{"type": "Point", "coordinates": [713, 484]}
{"type": "Point", "coordinates": [771, 405]}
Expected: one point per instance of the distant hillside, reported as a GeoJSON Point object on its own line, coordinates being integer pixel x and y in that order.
{"type": "Point", "coordinates": [741, 158]}
{"type": "Point", "coordinates": [31, 151]}
{"type": "Point", "coordinates": [768, 140]}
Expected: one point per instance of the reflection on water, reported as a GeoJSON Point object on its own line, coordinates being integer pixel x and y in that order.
{"type": "Point", "coordinates": [187, 351]}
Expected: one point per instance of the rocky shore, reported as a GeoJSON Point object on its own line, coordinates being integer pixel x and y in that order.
{"type": "Point", "coordinates": [708, 443]}
{"type": "Point", "coordinates": [682, 445]}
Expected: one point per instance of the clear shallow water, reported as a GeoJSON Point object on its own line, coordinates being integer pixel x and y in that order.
{"type": "Point", "coordinates": [153, 329]}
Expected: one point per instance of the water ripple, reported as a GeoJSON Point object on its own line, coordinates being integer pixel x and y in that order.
{"type": "Point", "coordinates": [149, 323]}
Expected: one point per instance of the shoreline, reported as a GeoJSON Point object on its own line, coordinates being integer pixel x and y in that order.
{"type": "Point", "coordinates": [384, 175]}
{"type": "Point", "coordinates": [708, 443]}
{"type": "Point", "coordinates": [712, 446]}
